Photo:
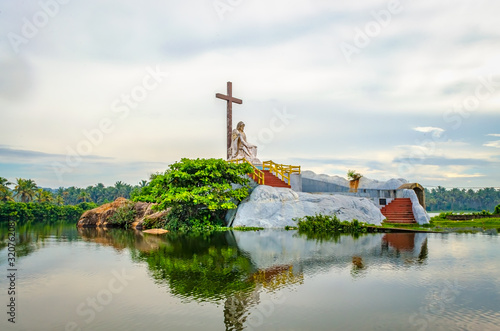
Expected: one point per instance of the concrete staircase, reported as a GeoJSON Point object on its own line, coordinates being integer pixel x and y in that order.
{"type": "Point", "coordinates": [272, 180]}
{"type": "Point", "coordinates": [399, 211]}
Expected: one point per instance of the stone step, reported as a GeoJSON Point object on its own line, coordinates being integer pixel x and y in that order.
{"type": "Point", "coordinates": [399, 210]}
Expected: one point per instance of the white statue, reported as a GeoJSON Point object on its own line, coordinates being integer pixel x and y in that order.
{"type": "Point", "coordinates": [240, 147]}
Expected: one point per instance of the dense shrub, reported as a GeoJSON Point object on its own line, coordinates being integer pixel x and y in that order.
{"type": "Point", "coordinates": [124, 216]}
{"type": "Point", "coordinates": [328, 224]}
{"type": "Point", "coordinates": [41, 212]}
{"type": "Point", "coordinates": [199, 192]}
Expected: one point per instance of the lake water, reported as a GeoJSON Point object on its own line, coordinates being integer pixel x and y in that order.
{"type": "Point", "coordinates": [88, 279]}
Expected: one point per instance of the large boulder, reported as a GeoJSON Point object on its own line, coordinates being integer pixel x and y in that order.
{"type": "Point", "coordinates": [99, 217]}
{"type": "Point", "coordinates": [272, 207]}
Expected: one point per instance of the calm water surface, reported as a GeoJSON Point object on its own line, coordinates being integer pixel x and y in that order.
{"type": "Point", "coordinates": [74, 279]}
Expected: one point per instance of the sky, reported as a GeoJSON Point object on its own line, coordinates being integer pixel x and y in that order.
{"type": "Point", "coordinates": [104, 91]}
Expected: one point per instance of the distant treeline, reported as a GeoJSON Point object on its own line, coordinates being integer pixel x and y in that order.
{"type": "Point", "coordinates": [42, 212]}
{"type": "Point", "coordinates": [441, 199]}
{"type": "Point", "coordinates": [26, 190]}
{"type": "Point", "coordinates": [25, 201]}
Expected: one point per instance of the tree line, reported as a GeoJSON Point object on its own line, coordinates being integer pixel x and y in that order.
{"type": "Point", "coordinates": [26, 190]}
{"type": "Point", "coordinates": [441, 199]}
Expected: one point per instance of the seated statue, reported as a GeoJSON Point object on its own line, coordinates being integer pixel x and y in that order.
{"type": "Point", "coordinates": [240, 147]}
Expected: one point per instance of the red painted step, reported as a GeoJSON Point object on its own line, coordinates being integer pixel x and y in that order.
{"type": "Point", "coordinates": [399, 211]}
{"type": "Point", "coordinates": [272, 180]}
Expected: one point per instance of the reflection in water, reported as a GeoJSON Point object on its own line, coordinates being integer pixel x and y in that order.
{"type": "Point", "coordinates": [32, 236]}
{"type": "Point", "coordinates": [236, 268]}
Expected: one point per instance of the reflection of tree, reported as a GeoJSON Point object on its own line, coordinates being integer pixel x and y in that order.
{"type": "Point", "coordinates": [272, 279]}
{"type": "Point", "coordinates": [32, 236]}
{"type": "Point", "coordinates": [204, 270]}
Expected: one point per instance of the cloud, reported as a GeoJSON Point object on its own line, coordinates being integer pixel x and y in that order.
{"type": "Point", "coordinates": [33, 156]}
{"type": "Point", "coordinates": [430, 129]}
{"type": "Point", "coordinates": [495, 144]}
{"type": "Point", "coordinates": [455, 175]}
{"type": "Point", "coordinates": [494, 134]}
{"type": "Point", "coordinates": [445, 161]}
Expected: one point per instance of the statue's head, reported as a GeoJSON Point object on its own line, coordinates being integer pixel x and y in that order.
{"type": "Point", "coordinates": [240, 126]}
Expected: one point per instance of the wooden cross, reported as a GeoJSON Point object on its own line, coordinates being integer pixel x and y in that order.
{"type": "Point", "coordinates": [229, 98]}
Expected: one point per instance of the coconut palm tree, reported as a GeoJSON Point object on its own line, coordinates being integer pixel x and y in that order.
{"type": "Point", "coordinates": [84, 196]}
{"type": "Point", "coordinates": [43, 196]}
{"type": "Point", "coordinates": [4, 182]}
{"type": "Point", "coordinates": [25, 189]}
{"type": "Point", "coordinates": [5, 192]}
{"type": "Point", "coordinates": [59, 200]}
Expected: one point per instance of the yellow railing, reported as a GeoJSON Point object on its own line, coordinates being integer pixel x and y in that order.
{"type": "Point", "coordinates": [257, 175]}
{"type": "Point", "coordinates": [281, 171]}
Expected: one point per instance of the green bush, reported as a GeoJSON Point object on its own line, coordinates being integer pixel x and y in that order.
{"type": "Point", "coordinates": [327, 224]}
{"type": "Point", "coordinates": [199, 192]}
{"type": "Point", "coordinates": [124, 216]}
{"type": "Point", "coordinates": [39, 212]}
{"type": "Point", "coordinates": [158, 223]}
{"type": "Point", "coordinates": [497, 210]}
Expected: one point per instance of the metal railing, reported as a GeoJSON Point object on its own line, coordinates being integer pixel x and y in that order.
{"type": "Point", "coordinates": [257, 174]}
{"type": "Point", "coordinates": [282, 171]}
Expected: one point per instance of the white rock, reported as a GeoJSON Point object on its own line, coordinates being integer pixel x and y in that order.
{"type": "Point", "coordinates": [271, 207]}
{"type": "Point", "coordinates": [419, 212]}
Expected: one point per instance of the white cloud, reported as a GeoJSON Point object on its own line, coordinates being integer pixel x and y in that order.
{"type": "Point", "coordinates": [430, 129]}
{"type": "Point", "coordinates": [277, 54]}
{"type": "Point", "coordinates": [495, 144]}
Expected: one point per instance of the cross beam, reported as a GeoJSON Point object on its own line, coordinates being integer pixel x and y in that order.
{"type": "Point", "coordinates": [230, 99]}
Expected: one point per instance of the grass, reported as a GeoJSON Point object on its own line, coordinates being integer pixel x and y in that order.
{"type": "Point", "coordinates": [246, 228]}
{"type": "Point", "coordinates": [484, 223]}
{"type": "Point", "coordinates": [441, 224]}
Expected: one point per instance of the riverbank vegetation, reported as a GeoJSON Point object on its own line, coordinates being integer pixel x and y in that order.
{"type": "Point", "coordinates": [197, 192]}
{"type": "Point", "coordinates": [329, 224]}
{"type": "Point", "coordinates": [41, 212]}
{"type": "Point", "coordinates": [439, 199]}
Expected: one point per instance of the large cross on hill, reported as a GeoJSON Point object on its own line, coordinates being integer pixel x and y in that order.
{"type": "Point", "coordinates": [230, 99]}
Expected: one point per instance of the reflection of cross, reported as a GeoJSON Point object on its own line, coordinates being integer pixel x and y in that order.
{"type": "Point", "coordinates": [229, 98]}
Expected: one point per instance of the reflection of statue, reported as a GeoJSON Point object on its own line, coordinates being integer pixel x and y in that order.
{"type": "Point", "coordinates": [240, 147]}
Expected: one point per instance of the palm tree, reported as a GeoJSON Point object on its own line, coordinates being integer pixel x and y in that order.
{"type": "Point", "coordinates": [43, 196]}
{"type": "Point", "coordinates": [4, 182]}
{"type": "Point", "coordinates": [59, 200]}
{"type": "Point", "coordinates": [122, 189]}
{"type": "Point", "coordinates": [143, 183]}
{"type": "Point", "coordinates": [84, 196]}
{"type": "Point", "coordinates": [25, 189]}
{"type": "Point", "coordinates": [5, 192]}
